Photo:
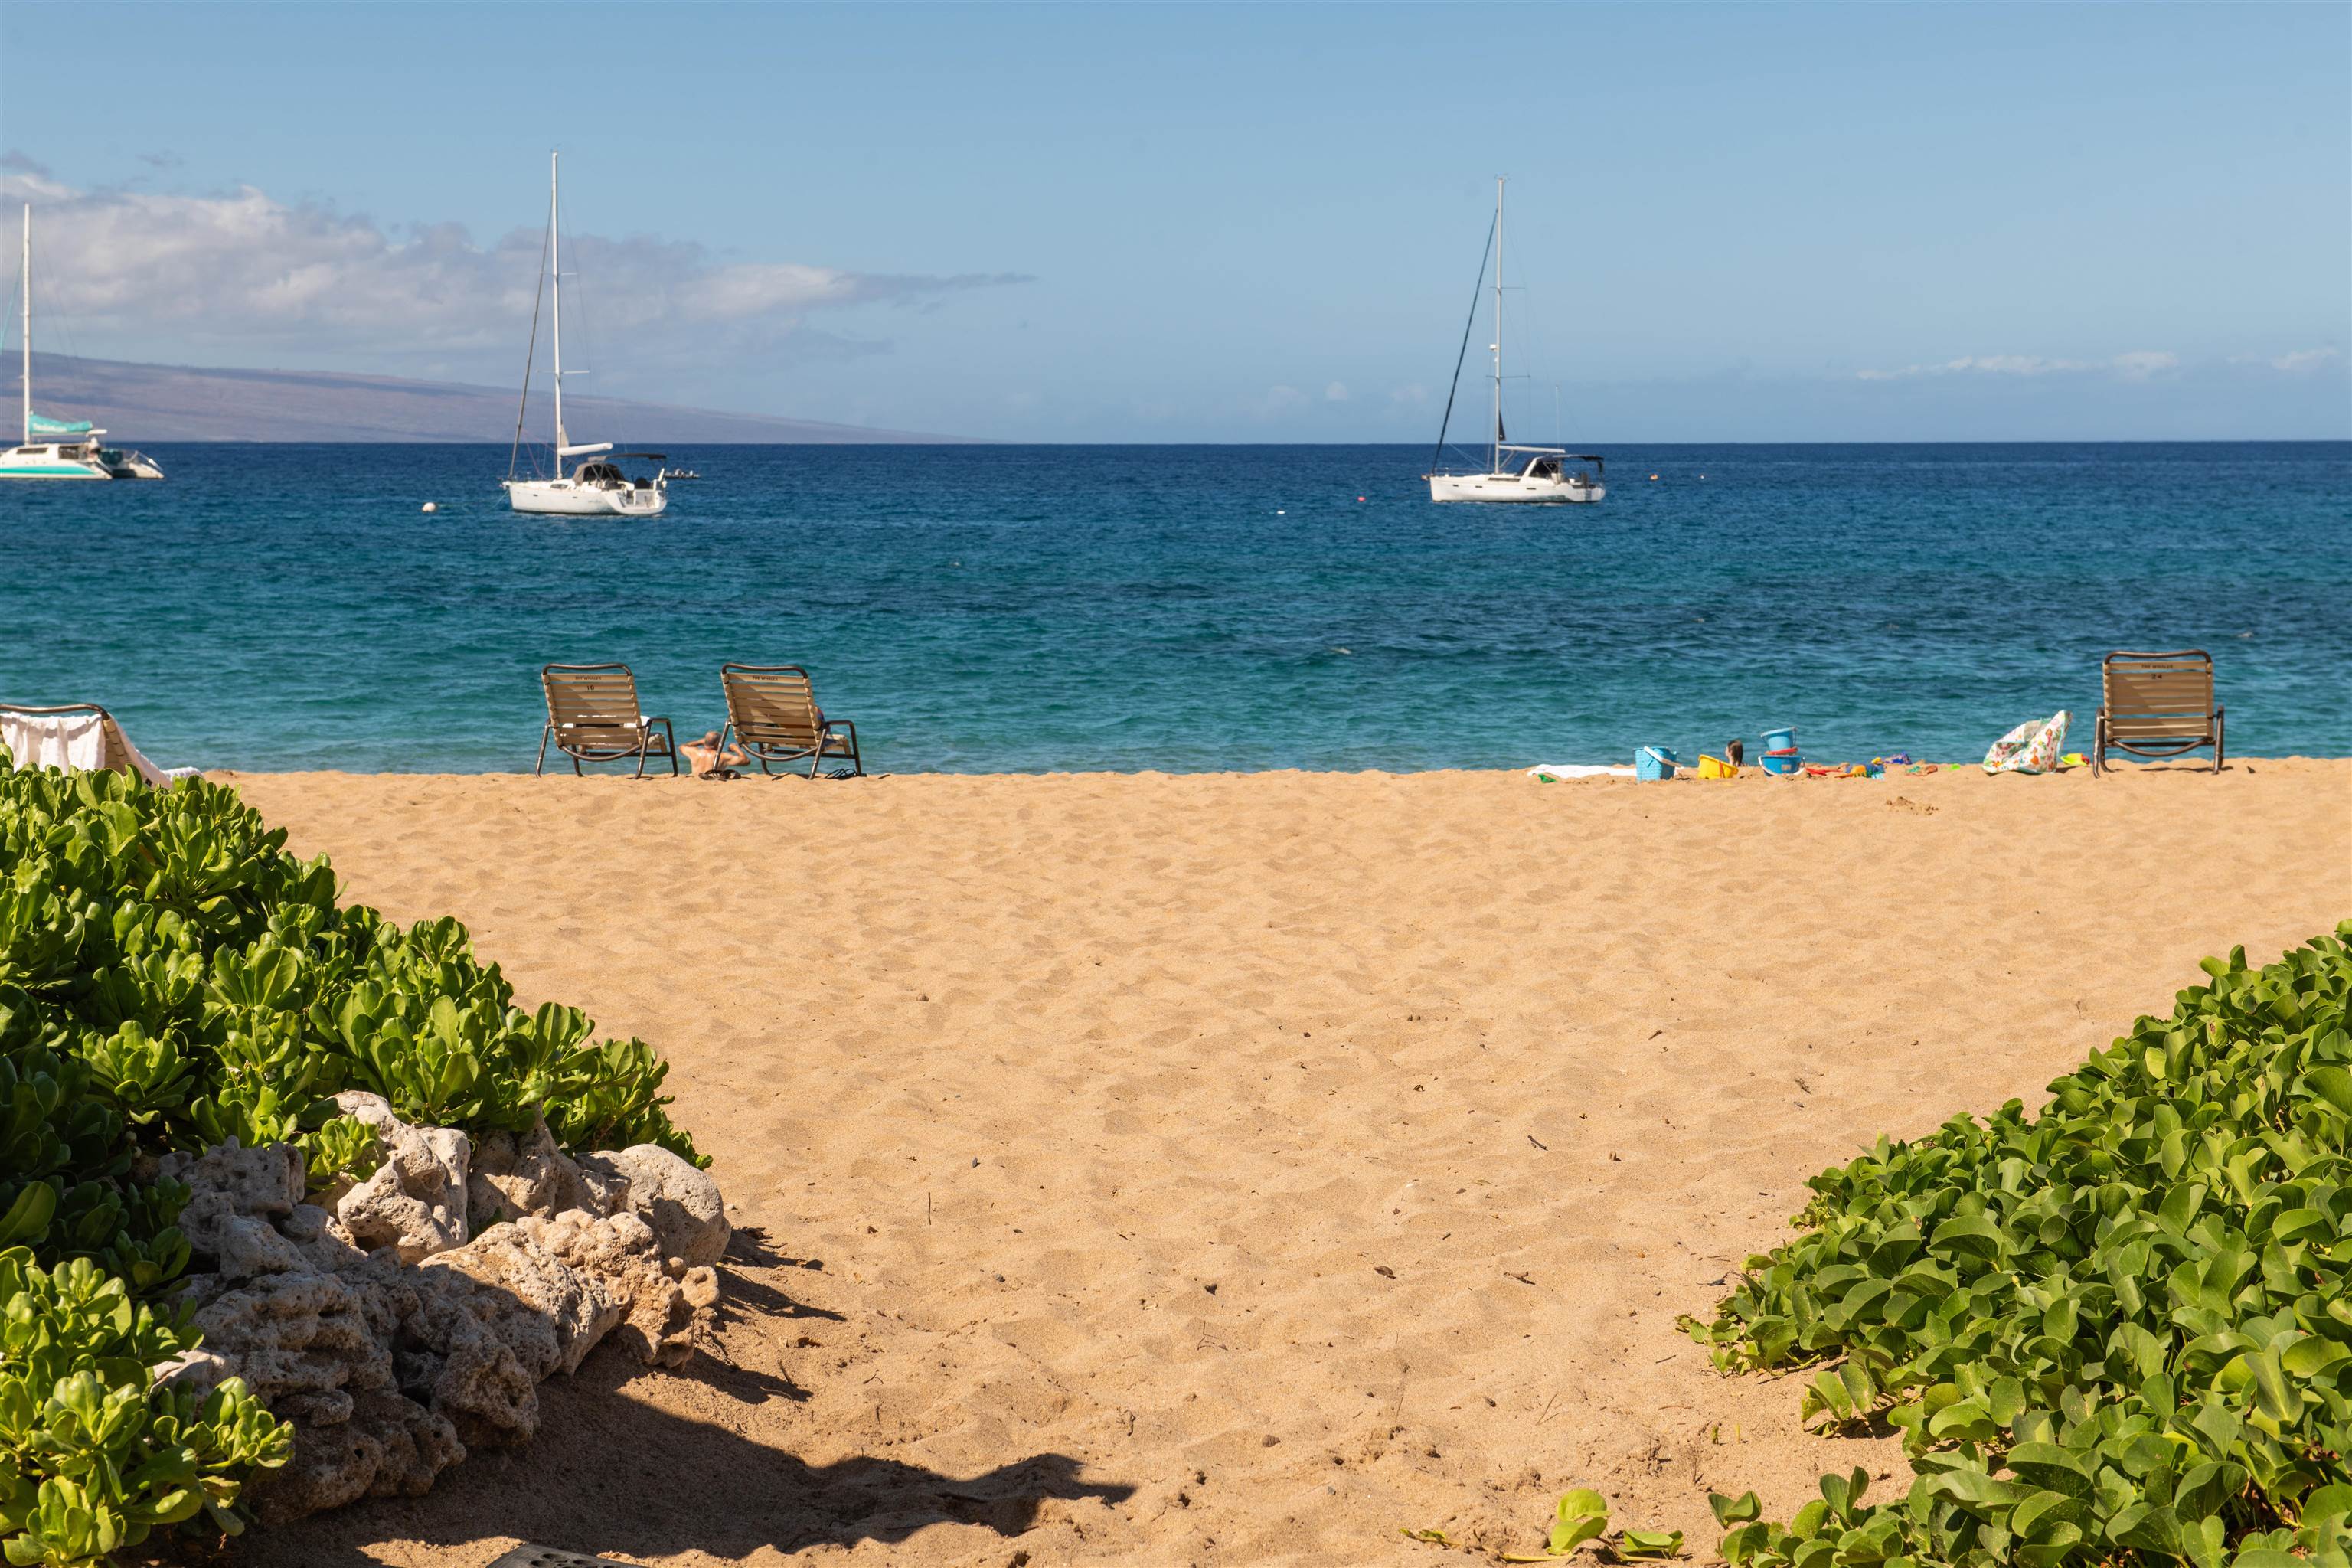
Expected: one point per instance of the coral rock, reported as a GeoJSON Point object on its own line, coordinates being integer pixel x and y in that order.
{"type": "Point", "coordinates": [241, 1247]}
{"type": "Point", "coordinates": [325, 1246]}
{"type": "Point", "coordinates": [296, 1333]}
{"type": "Point", "coordinates": [681, 1203]}
{"type": "Point", "coordinates": [387, 1446]}
{"type": "Point", "coordinates": [597, 1187]}
{"type": "Point", "coordinates": [415, 1201]}
{"type": "Point", "coordinates": [386, 1339]}
{"type": "Point", "coordinates": [514, 1176]}
{"type": "Point", "coordinates": [453, 1358]}
{"type": "Point", "coordinates": [198, 1370]}
{"type": "Point", "coordinates": [267, 1181]}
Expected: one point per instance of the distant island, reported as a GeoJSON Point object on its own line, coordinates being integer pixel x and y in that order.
{"type": "Point", "coordinates": [142, 402]}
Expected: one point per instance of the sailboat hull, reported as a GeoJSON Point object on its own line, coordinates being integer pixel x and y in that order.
{"type": "Point", "coordinates": [1525, 488]}
{"type": "Point", "coordinates": [131, 465]}
{"type": "Point", "coordinates": [566, 498]}
{"type": "Point", "coordinates": [39, 462]}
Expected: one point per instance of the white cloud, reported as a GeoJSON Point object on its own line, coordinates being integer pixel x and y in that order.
{"type": "Point", "coordinates": [1335, 393]}
{"type": "Point", "coordinates": [270, 278]}
{"type": "Point", "coordinates": [2305, 359]}
{"type": "Point", "coordinates": [2138, 365]}
{"type": "Point", "coordinates": [2142, 363]}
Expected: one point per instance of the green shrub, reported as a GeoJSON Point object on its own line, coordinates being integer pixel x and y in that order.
{"type": "Point", "coordinates": [170, 978]}
{"type": "Point", "coordinates": [99, 1458]}
{"type": "Point", "coordinates": [2119, 1332]}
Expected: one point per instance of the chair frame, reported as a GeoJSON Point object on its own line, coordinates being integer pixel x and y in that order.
{"type": "Point", "coordinates": [2156, 748]}
{"type": "Point", "coordinates": [117, 761]}
{"type": "Point", "coordinates": [643, 741]}
{"type": "Point", "coordinates": [836, 737]}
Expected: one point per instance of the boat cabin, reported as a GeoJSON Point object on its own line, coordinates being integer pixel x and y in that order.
{"type": "Point", "coordinates": [1550, 464]}
{"type": "Point", "coordinates": [606, 473]}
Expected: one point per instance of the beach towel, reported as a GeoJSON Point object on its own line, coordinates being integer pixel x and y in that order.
{"type": "Point", "coordinates": [160, 778]}
{"type": "Point", "coordinates": [1551, 771]}
{"type": "Point", "coordinates": [76, 742]}
{"type": "Point", "coordinates": [73, 742]}
{"type": "Point", "coordinates": [2031, 748]}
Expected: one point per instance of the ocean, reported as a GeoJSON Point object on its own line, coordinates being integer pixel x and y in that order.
{"type": "Point", "coordinates": [999, 609]}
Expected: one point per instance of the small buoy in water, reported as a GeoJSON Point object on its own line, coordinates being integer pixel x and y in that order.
{"type": "Point", "coordinates": [1359, 498]}
{"type": "Point", "coordinates": [1654, 477]}
{"type": "Point", "coordinates": [1282, 514]}
{"type": "Point", "coordinates": [432, 506]}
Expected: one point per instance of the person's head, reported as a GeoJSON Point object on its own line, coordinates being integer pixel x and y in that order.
{"type": "Point", "coordinates": [709, 740]}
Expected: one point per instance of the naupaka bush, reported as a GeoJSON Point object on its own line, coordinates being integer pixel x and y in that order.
{"type": "Point", "coordinates": [2118, 1332]}
{"type": "Point", "coordinates": [171, 978]}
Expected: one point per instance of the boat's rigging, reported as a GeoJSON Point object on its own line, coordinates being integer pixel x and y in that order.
{"type": "Point", "coordinates": [514, 453]}
{"type": "Point", "coordinates": [1463, 356]}
{"type": "Point", "coordinates": [56, 321]}
{"type": "Point", "coordinates": [1514, 471]}
{"type": "Point", "coordinates": [595, 486]}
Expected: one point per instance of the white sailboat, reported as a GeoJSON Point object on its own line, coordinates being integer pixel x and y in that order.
{"type": "Point", "coordinates": [1514, 472]}
{"type": "Point", "coordinates": [62, 449]}
{"type": "Point", "coordinates": [595, 487]}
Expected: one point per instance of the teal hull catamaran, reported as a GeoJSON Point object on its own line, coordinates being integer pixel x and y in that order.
{"type": "Point", "coordinates": [61, 449]}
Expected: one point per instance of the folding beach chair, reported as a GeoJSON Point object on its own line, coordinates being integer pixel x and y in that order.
{"type": "Point", "coordinates": [29, 730]}
{"type": "Point", "coordinates": [592, 717]}
{"type": "Point", "coordinates": [772, 713]}
{"type": "Point", "coordinates": [2156, 705]}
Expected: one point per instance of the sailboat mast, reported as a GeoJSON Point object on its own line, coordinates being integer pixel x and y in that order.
{"type": "Point", "coordinates": [27, 333]}
{"type": "Point", "coordinates": [555, 274]}
{"type": "Point", "coordinates": [1497, 467]}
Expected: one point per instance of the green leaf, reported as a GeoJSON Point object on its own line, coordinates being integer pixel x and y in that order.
{"type": "Point", "coordinates": [1650, 1543]}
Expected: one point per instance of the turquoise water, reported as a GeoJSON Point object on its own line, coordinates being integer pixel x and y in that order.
{"type": "Point", "coordinates": [1002, 608]}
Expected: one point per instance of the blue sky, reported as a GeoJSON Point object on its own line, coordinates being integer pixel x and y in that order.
{"type": "Point", "coordinates": [1198, 222]}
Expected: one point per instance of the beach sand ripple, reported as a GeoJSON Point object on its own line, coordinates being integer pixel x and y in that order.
{"type": "Point", "coordinates": [1236, 1169]}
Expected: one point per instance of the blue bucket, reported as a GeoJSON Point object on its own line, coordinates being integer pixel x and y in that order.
{"type": "Point", "coordinates": [1784, 762]}
{"type": "Point", "coordinates": [1654, 762]}
{"type": "Point", "coordinates": [1780, 740]}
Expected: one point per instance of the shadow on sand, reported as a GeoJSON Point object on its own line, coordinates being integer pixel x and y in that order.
{"type": "Point", "coordinates": [610, 1475]}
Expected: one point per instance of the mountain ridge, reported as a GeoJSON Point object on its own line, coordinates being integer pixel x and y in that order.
{"type": "Point", "coordinates": [135, 402]}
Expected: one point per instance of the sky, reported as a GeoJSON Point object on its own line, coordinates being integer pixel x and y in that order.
{"type": "Point", "coordinates": [1136, 222]}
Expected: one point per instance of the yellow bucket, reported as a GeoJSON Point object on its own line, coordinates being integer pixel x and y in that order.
{"type": "Point", "coordinates": [1716, 768]}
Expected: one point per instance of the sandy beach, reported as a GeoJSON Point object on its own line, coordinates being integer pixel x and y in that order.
{"type": "Point", "coordinates": [1239, 1169]}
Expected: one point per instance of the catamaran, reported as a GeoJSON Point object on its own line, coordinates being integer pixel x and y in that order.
{"type": "Point", "coordinates": [596, 487]}
{"type": "Point", "coordinates": [62, 449]}
{"type": "Point", "coordinates": [1514, 472]}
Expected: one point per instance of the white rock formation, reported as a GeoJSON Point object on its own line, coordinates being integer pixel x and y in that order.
{"type": "Point", "coordinates": [389, 1340]}
{"type": "Point", "coordinates": [415, 1201]}
{"type": "Point", "coordinates": [680, 1203]}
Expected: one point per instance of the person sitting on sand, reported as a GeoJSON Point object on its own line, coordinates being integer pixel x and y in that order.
{"type": "Point", "coordinates": [708, 761]}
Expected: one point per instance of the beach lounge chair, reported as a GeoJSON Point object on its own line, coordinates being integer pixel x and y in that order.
{"type": "Point", "coordinates": [592, 717]}
{"type": "Point", "coordinates": [2156, 705]}
{"type": "Point", "coordinates": [78, 737]}
{"type": "Point", "coordinates": [772, 713]}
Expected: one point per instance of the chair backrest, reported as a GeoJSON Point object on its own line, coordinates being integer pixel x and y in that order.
{"type": "Point", "coordinates": [2159, 696]}
{"type": "Point", "coordinates": [591, 696]}
{"type": "Point", "coordinates": [772, 705]}
{"type": "Point", "coordinates": [117, 753]}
